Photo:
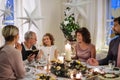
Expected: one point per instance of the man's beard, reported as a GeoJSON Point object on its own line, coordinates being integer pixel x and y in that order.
{"type": "Point", "coordinates": [116, 33]}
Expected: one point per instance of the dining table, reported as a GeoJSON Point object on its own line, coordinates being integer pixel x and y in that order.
{"type": "Point", "coordinates": [35, 68]}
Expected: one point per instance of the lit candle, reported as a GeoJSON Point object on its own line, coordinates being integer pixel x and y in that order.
{"type": "Point", "coordinates": [61, 58]}
{"type": "Point", "coordinates": [71, 75]}
{"type": "Point", "coordinates": [78, 76]}
{"type": "Point", "coordinates": [68, 47]}
{"type": "Point", "coordinates": [46, 67]}
{"type": "Point", "coordinates": [96, 70]}
{"type": "Point", "coordinates": [68, 51]}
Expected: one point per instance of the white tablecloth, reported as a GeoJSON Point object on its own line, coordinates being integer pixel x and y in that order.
{"type": "Point", "coordinates": [31, 74]}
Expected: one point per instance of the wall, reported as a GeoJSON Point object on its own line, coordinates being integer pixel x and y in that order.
{"type": "Point", "coordinates": [52, 11]}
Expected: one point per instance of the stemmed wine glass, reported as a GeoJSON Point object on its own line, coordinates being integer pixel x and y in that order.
{"type": "Point", "coordinates": [111, 64]}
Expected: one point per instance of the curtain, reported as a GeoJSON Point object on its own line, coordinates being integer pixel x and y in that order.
{"type": "Point", "coordinates": [96, 16]}
{"type": "Point", "coordinates": [2, 6]}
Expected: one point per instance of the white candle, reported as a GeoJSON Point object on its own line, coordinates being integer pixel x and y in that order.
{"type": "Point", "coordinates": [61, 58]}
{"type": "Point", "coordinates": [68, 47]}
{"type": "Point", "coordinates": [68, 51]}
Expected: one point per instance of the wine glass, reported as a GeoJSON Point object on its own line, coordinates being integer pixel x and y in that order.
{"type": "Point", "coordinates": [111, 64]}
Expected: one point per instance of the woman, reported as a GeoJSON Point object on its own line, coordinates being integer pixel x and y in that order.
{"type": "Point", "coordinates": [84, 49]}
{"type": "Point", "coordinates": [11, 64]}
{"type": "Point", "coordinates": [48, 47]}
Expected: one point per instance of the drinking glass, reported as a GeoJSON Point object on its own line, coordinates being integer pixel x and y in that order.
{"type": "Point", "coordinates": [111, 64]}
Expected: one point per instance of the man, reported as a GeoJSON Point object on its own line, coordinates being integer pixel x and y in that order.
{"type": "Point", "coordinates": [113, 47]}
{"type": "Point", "coordinates": [28, 44]}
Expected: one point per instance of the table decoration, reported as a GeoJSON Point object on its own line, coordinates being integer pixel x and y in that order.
{"type": "Point", "coordinates": [96, 71]}
{"type": "Point", "coordinates": [59, 69]}
{"type": "Point", "coordinates": [76, 75]}
{"type": "Point", "coordinates": [61, 58]}
{"type": "Point", "coordinates": [42, 76]}
{"type": "Point", "coordinates": [102, 74]}
{"type": "Point", "coordinates": [76, 64]}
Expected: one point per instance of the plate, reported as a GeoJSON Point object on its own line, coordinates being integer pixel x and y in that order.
{"type": "Point", "coordinates": [110, 75]}
{"type": "Point", "coordinates": [112, 71]}
{"type": "Point", "coordinates": [116, 69]}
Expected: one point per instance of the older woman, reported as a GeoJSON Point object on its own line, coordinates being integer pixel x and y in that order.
{"type": "Point", "coordinates": [11, 64]}
{"type": "Point", "coordinates": [84, 49]}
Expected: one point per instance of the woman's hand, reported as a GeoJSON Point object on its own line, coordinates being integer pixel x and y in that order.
{"type": "Point", "coordinates": [92, 62]}
{"type": "Point", "coordinates": [18, 46]}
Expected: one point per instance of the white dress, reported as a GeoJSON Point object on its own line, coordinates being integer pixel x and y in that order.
{"type": "Point", "coordinates": [48, 50]}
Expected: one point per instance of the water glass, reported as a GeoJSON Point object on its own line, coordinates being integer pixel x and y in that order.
{"type": "Point", "coordinates": [111, 64]}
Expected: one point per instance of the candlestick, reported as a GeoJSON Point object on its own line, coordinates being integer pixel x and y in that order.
{"type": "Point", "coordinates": [48, 63]}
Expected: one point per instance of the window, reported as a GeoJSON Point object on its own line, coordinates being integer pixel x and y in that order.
{"type": "Point", "coordinates": [9, 19]}
{"type": "Point", "coordinates": [111, 4]}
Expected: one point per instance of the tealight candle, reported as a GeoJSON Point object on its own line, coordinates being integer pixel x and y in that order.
{"type": "Point", "coordinates": [47, 68]}
{"type": "Point", "coordinates": [96, 70]}
{"type": "Point", "coordinates": [78, 76]}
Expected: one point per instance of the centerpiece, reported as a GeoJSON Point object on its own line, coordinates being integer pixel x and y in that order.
{"type": "Point", "coordinates": [42, 76]}
{"type": "Point", "coordinates": [64, 69]}
{"type": "Point", "coordinates": [59, 69]}
{"type": "Point", "coordinates": [76, 64]}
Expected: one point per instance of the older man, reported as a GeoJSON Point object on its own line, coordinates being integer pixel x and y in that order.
{"type": "Point", "coordinates": [28, 44]}
{"type": "Point", "coordinates": [114, 49]}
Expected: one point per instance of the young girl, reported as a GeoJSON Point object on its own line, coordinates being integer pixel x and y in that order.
{"type": "Point", "coordinates": [48, 47]}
